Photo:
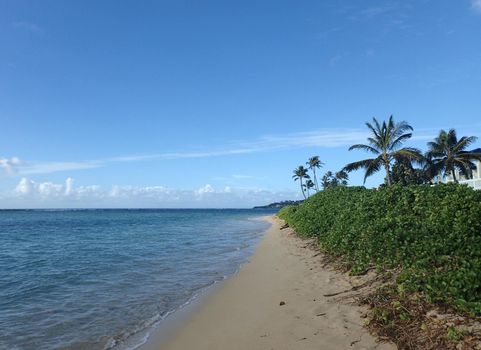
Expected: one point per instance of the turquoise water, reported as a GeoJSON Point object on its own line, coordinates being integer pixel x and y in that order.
{"type": "Point", "coordinates": [98, 279]}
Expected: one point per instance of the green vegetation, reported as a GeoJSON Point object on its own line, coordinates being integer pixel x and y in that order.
{"type": "Point", "coordinates": [314, 163]}
{"type": "Point", "coordinates": [403, 173]}
{"type": "Point", "coordinates": [431, 234]}
{"type": "Point", "coordinates": [308, 186]}
{"type": "Point", "coordinates": [384, 143]}
{"type": "Point", "coordinates": [330, 180]}
{"type": "Point", "coordinates": [277, 205]}
{"type": "Point", "coordinates": [327, 181]}
{"type": "Point", "coordinates": [422, 235]}
{"type": "Point", "coordinates": [300, 173]}
{"type": "Point", "coordinates": [447, 154]}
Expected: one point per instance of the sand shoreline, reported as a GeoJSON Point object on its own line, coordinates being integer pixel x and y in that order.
{"type": "Point", "coordinates": [245, 311]}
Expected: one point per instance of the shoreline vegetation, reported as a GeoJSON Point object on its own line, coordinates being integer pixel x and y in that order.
{"type": "Point", "coordinates": [423, 241]}
{"type": "Point", "coordinates": [420, 230]}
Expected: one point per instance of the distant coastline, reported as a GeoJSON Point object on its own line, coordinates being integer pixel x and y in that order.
{"type": "Point", "coordinates": [278, 205]}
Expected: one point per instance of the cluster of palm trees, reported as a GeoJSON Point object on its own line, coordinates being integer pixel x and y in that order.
{"type": "Point", "coordinates": [446, 155]}
{"type": "Point", "coordinates": [302, 174]}
{"type": "Point", "coordinates": [329, 179]}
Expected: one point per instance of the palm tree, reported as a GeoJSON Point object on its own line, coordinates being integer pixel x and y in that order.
{"type": "Point", "coordinates": [384, 143]}
{"type": "Point", "coordinates": [342, 178]}
{"type": "Point", "coordinates": [308, 185]}
{"type": "Point", "coordinates": [330, 180]}
{"type": "Point", "coordinates": [428, 169]}
{"type": "Point", "coordinates": [449, 154]}
{"type": "Point", "coordinates": [301, 173]}
{"type": "Point", "coordinates": [313, 163]}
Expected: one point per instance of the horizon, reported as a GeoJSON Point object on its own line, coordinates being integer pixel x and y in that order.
{"type": "Point", "coordinates": [179, 105]}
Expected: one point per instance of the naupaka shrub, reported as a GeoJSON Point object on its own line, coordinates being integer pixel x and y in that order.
{"type": "Point", "coordinates": [431, 233]}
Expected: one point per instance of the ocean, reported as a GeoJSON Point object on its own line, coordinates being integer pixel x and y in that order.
{"type": "Point", "coordinates": [101, 279]}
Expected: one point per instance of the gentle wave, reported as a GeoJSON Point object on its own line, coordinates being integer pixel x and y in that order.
{"type": "Point", "coordinates": [102, 279]}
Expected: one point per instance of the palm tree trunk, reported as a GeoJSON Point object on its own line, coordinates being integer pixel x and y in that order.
{"type": "Point", "coordinates": [388, 174]}
{"type": "Point", "coordinates": [315, 179]}
{"type": "Point", "coordinates": [302, 188]}
{"type": "Point", "coordinates": [454, 176]}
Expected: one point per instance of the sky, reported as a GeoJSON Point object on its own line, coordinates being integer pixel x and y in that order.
{"type": "Point", "coordinates": [213, 103]}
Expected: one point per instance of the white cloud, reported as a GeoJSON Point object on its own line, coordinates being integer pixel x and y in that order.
{"type": "Point", "coordinates": [476, 5]}
{"type": "Point", "coordinates": [27, 188]}
{"type": "Point", "coordinates": [31, 194]}
{"type": "Point", "coordinates": [205, 189]}
{"type": "Point", "coordinates": [24, 187]}
{"type": "Point", "coordinates": [10, 164]}
{"type": "Point", "coordinates": [319, 138]}
{"type": "Point", "coordinates": [69, 186]}
{"type": "Point", "coordinates": [52, 167]}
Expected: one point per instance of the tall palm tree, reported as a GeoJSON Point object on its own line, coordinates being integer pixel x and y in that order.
{"type": "Point", "coordinates": [449, 154]}
{"type": "Point", "coordinates": [300, 173]}
{"type": "Point", "coordinates": [385, 142]}
{"type": "Point", "coordinates": [313, 163]}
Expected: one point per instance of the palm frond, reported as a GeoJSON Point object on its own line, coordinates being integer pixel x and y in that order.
{"type": "Point", "coordinates": [466, 167]}
{"type": "Point", "coordinates": [375, 142]}
{"type": "Point", "coordinates": [375, 130]}
{"type": "Point", "coordinates": [401, 128]}
{"type": "Point", "coordinates": [413, 154]}
{"type": "Point", "coordinates": [372, 168]}
{"type": "Point", "coordinates": [469, 156]}
{"type": "Point", "coordinates": [464, 143]}
{"type": "Point", "coordinates": [378, 126]}
{"type": "Point", "coordinates": [365, 148]}
{"type": "Point", "coordinates": [451, 138]}
{"type": "Point", "coordinates": [399, 140]}
{"type": "Point", "coordinates": [359, 164]}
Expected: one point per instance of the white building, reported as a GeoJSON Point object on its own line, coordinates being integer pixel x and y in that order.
{"type": "Point", "coordinates": [475, 181]}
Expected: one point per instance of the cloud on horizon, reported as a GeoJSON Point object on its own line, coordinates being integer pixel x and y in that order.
{"type": "Point", "coordinates": [31, 194]}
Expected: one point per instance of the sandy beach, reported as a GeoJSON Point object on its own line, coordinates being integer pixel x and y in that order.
{"type": "Point", "coordinates": [275, 302]}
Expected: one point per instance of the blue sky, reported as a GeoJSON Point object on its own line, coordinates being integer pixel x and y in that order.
{"type": "Point", "coordinates": [214, 103]}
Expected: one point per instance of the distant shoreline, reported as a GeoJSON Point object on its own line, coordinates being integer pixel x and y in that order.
{"type": "Point", "coordinates": [278, 205]}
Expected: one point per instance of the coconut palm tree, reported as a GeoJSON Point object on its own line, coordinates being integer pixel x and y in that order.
{"type": "Point", "coordinates": [330, 179]}
{"type": "Point", "coordinates": [385, 142]}
{"type": "Point", "coordinates": [428, 169]}
{"type": "Point", "coordinates": [313, 163]}
{"type": "Point", "coordinates": [308, 185]}
{"type": "Point", "coordinates": [342, 178]}
{"type": "Point", "coordinates": [449, 154]}
{"type": "Point", "coordinates": [300, 173]}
